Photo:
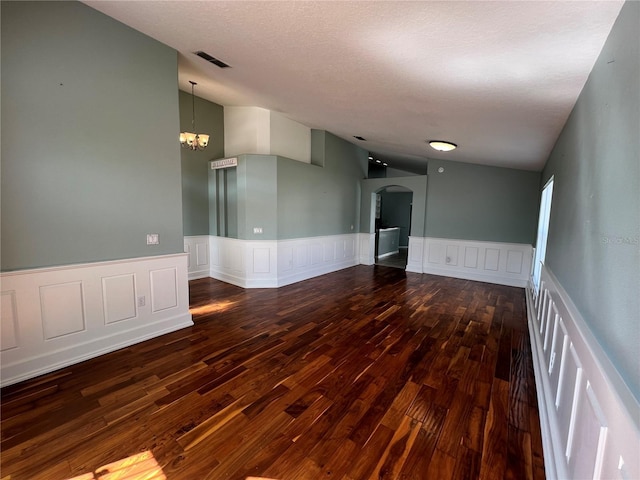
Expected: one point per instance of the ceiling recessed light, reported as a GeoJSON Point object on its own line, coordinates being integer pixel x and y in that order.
{"type": "Point", "coordinates": [370, 157]}
{"type": "Point", "coordinates": [441, 145]}
{"type": "Point", "coordinates": [378, 161]}
{"type": "Point", "coordinates": [384, 165]}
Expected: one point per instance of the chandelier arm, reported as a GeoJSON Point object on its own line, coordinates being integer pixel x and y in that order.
{"type": "Point", "coordinates": [193, 107]}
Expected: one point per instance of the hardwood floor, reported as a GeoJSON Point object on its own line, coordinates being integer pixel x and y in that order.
{"type": "Point", "coordinates": [398, 260]}
{"type": "Point", "coordinates": [370, 372]}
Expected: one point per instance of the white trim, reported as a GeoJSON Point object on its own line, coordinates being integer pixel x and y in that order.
{"type": "Point", "coordinates": [492, 262]}
{"type": "Point", "coordinates": [275, 263]}
{"type": "Point", "coordinates": [367, 248]}
{"type": "Point", "coordinates": [415, 254]}
{"type": "Point", "coordinates": [54, 360]}
{"type": "Point", "coordinates": [112, 302]}
{"type": "Point", "coordinates": [577, 383]}
{"type": "Point", "coordinates": [198, 251]}
{"type": "Point", "coordinates": [75, 266]}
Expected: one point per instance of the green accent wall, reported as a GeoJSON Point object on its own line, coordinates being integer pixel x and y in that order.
{"type": "Point", "coordinates": [477, 202]}
{"type": "Point", "coordinates": [315, 201]}
{"type": "Point", "coordinates": [90, 157]}
{"type": "Point", "coordinates": [594, 231]}
{"type": "Point", "coordinates": [257, 196]}
{"type": "Point", "coordinates": [195, 164]}
{"type": "Point", "coordinates": [287, 198]}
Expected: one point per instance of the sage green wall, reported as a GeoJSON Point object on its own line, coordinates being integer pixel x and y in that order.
{"type": "Point", "coordinates": [290, 199]}
{"type": "Point", "coordinates": [594, 232]}
{"type": "Point", "coordinates": [258, 197]}
{"type": "Point", "coordinates": [90, 160]}
{"type": "Point", "coordinates": [314, 201]}
{"type": "Point", "coordinates": [477, 202]}
{"type": "Point", "coordinates": [195, 164]}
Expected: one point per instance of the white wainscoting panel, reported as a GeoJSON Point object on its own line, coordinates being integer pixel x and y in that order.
{"type": "Point", "coordinates": [367, 248]}
{"type": "Point", "coordinates": [62, 307]}
{"type": "Point", "coordinates": [501, 263]}
{"type": "Point", "coordinates": [590, 420]}
{"type": "Point", "coordinates": [198, 250]}
{"type": "Point", "coordinates": [58, 316]}
{"type": "Point", "coordinates": [314, 256]}
{"type": "Point", "coordinates": [274, 263]}
{"type": "Point", "coordinates": [9, 319]}
{"type": "Point", "coordinates": [164, 289]}
{"type": "Point", "coordinates": [119, 297]}
{"type": "Point", "coordinates": [471, 257]}
{"type": "Point", "coordinates": [245, 263]}
{"type": "Point", "coordinates": [415, 255]}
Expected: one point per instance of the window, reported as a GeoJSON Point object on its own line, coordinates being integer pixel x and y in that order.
{"type": "Point", "coordinates": [543, 233]}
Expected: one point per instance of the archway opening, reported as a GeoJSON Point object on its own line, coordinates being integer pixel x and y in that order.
{"type": "Point", "coordinates": [392, 222]}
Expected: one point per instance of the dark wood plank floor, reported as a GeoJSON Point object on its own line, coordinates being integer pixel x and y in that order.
{"type": "Point", "coordinates": [370, 372]}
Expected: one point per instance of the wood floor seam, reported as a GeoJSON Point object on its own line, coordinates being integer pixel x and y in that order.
{"type": "Point", "coordinates": [366, 373]}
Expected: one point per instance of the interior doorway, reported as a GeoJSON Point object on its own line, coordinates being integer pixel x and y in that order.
{"type": "Point", "coordinates": [543, 233]}
{"type": "Point", "coordinates": [392, 225]}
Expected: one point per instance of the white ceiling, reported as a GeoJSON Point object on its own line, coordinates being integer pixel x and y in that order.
{"type": "Point", "coordinates": [499, 78]}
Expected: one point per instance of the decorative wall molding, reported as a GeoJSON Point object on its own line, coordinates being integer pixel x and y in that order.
{"type": "Point", "coordinates": [305, 258]}
{"type": "Point", "coordinates": [55, 317]}
{"type": "Point", "coordinates": [275, 263]}
{"type": "Point", "coordinates": [198, 250]}
{"type": "Point", "coordinates": [492, 262]}
{"type": "Point", "coordinates": [590, 420]}
{"type": "Point", "coordinates": [367, 248]}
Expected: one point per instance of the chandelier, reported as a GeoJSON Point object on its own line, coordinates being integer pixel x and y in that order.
{"type": "Point", "coordinates": [193, 141]}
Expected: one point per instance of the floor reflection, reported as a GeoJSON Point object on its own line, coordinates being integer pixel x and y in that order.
{"type": "Point", "coordinates": [397, 260]}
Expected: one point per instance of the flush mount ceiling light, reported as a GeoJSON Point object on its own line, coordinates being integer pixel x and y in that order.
{"type": "Point", "coordinates": [442, 146]}
{"type": "Point", "coordinates": [193, 141]}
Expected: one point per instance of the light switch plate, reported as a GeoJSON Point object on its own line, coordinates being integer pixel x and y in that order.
{"type": "Point", "coordinates": [152, 239]}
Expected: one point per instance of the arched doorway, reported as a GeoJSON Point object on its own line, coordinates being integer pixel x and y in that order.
{"type": "Point", "coordinates": [392, 222]}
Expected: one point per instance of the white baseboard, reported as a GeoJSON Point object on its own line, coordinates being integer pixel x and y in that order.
{"type": "Point", "coordinates": [55, 317]}
{"type": "Point", "coordinates": [492, 262]}
{"type": "Point", "coordinates": [589, 419]}
{"type": "Point", "coordinates": [275, 263]}
{"type": "Point", "coordinates": [51, 361]}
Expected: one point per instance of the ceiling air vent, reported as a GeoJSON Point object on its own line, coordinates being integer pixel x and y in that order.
{"type": "Point", "coordinates": [211, 59]}
{"type": "Point", "coordinates": [360, 138]}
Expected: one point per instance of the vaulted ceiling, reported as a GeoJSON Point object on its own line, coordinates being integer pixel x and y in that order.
{"type": "Point", "coordinates": [498, 78]}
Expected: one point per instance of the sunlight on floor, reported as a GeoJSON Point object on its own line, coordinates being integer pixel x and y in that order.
{"type": "Point", "coordinates": [214, 307]}
{"type": "Point", "coordinates": [142, 466]}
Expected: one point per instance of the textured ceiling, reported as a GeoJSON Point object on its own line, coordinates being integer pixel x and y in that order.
{"type": "Point", "coordinates": [498, 78]}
